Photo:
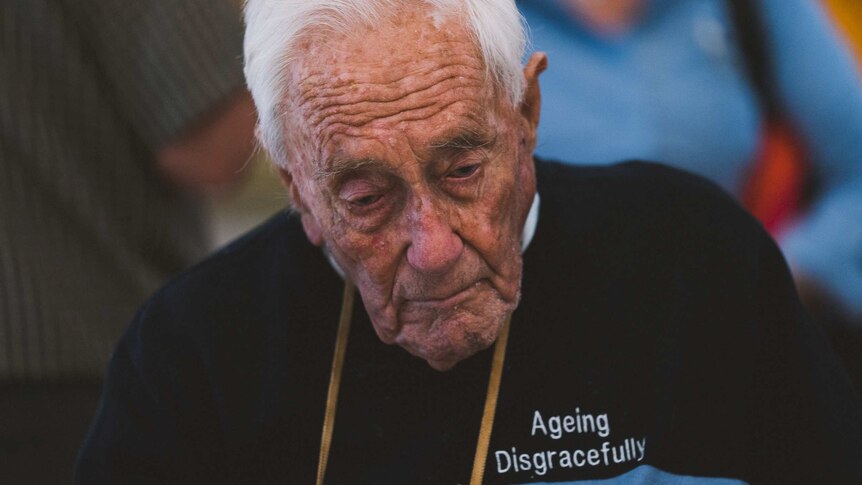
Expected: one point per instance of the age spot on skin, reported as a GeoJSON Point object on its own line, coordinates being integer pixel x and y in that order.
{"type": "Point", "coordinates": [415, 159]}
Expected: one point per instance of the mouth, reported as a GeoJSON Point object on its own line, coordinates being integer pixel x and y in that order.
{"type": "Point", "coordinates": [454, 299]}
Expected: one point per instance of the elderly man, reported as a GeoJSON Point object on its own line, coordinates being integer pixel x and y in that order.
{"type": "Point", "coordinates": [655, 333]}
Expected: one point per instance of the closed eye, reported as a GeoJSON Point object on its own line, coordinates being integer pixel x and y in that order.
{"type": "Point", "coordinates": [464, 171]}
{"type": "Point", "coordinates": [365, 201]}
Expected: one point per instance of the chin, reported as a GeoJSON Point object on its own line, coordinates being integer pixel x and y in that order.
{"type": "Point", "coordinates": [443, 365]}
{"type": "Point", "coordinates": [449, 339]}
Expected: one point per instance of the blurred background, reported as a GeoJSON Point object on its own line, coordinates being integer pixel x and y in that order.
{"type": "Point", "coordinates": [127, 154]}
{"type": "Point", "coordinates": [258, 196]}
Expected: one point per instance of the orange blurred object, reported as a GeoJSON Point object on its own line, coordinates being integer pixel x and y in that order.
{"type": "Point", "coordinates": [848, 16]}
{"type": "Point", "coordinates": [776, 184]}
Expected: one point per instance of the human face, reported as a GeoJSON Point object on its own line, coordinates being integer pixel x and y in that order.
{"type": "Point", "coordinates": [416, 176]}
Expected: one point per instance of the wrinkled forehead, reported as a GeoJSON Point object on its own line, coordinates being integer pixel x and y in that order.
{"type": "Point", "coordinates": [403, 35]}
{"type": "Point", "coordinates": [420, 71]}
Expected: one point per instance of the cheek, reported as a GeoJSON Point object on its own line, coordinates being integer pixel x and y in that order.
{"type": "Point", "coordinates": [368, 259]}
{"type": "Point", "coordinates": [491, 223]}
{"type": "Point", "coordinates": [371, 265]}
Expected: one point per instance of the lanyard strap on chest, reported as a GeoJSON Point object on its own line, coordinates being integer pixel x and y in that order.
{"type": "Point", "coordinates": [490, 405]}
{"type": "Point", "coordinates": [335, 383]}
{"type": "Point", "coordinates": [335, 379]}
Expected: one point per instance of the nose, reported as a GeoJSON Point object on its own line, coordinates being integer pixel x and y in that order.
{"type": "Point", "coordinates": [434, 246]}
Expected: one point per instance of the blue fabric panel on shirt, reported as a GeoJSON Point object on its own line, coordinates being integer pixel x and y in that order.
{"type": "Point", "coordinates": [646, 474]}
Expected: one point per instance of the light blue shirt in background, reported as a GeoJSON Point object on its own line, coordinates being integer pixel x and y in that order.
{"type": "Point", "coordinates": [674, 89]}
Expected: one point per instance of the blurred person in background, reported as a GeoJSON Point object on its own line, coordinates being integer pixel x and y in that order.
{"type": "Point", "coordinates": [693, 83]}
{"type": "Point", "coordinates": [114, 116]}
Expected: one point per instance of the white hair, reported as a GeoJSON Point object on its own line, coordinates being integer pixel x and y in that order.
{"type": "Point", "coordinates": [273, 26]}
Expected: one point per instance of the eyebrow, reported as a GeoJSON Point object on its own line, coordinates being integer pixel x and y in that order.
{"type": "Point", "coordinates": [465, 139]}
{"type": "Point", "coordinates": [339, 167]}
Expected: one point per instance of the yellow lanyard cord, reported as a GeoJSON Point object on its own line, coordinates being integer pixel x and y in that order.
{"type": "Point", "coordinates": [490, 405]}
{"type": "Point", "coordinates": [335, 383]}
{"type": "Point", "coordinates": [335, 379]}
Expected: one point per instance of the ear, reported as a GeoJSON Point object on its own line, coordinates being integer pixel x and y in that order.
{"type": "Point", "coordinates": [532, 103]}
{"type": "Point", "coordinates": [312, 228]}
